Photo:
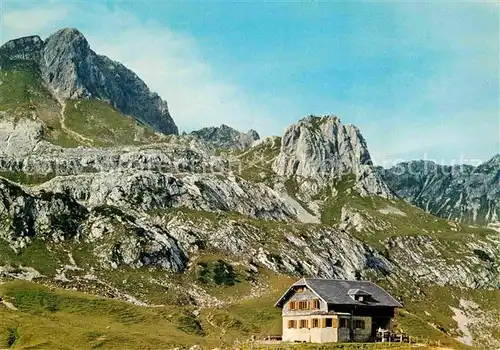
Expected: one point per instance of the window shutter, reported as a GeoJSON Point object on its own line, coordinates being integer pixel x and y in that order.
{"type": "Point", "coordinates": [323, 323]}
{"type": "Point", "coordinates": [334, 323]}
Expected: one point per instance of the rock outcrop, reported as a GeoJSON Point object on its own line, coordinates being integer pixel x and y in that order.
{"type": "Point", "coordinates": [19, 137]}
{"type": "Point", "coordinates": [322, 149]}
{"type": "Point", "coordinates": [44, 158]}
{"type": "Point", "coordinates": [463, 193]}
{"type": "Point", "coordinates": [133, 237]}
{"type": "Point", "coordinates": [116, 238]}
{"type": "Point", "coordinates": [226, 137]}
{"type": "Point", "coordinates": [149, 190]}
{"type": "Point", "coordinates": [72, 71]}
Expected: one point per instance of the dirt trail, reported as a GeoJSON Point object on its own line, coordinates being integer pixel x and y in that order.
{"type": "Point", "coordinates": [70, 132]}
{"type": "Point", "coordinates": [209, 319]}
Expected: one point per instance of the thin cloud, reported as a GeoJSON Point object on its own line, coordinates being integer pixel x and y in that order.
{"type": "Point", "coordinates": [171, 64]}
{"type": "Point", "coordinates": [32, 20]}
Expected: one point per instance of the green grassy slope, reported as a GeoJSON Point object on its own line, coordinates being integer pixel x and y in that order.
{"type": "Point", "coordinates": [49, 318]}
{"type": "Point", "coordinates": [100, 122]}
{"type": "Point", "coordinates": [23, 95]}
{"type": "Point", "coordinates": [86, 122]}
{"type": "Point", "coordinates": [52, 319]}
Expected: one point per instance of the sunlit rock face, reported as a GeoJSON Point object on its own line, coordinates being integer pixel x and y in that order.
{"type": "Point", "coordinates": [322, 148]}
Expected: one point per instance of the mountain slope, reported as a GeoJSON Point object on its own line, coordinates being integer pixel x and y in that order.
{"type": "Point", "coordinates": [29, 114]}
{"type": "Point", "coordinates": [463, 193]}
{"type": "Point", "coordinates": [135, 222]}
{"type": "Point", "coordinates": [200, 238]}
{"type": "Point", "coordinates": [73, 71]}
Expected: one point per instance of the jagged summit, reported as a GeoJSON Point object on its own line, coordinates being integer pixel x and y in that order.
{"type": "Point", "coordinates": [72, 70]}
{"type": "Point", "coordinates": [322, 148]}
{"type": "Point", "coordinates": [462, 193]}
{"type": "Point", "coordinates": [493, 161]}
{"type": "Point", "coordinates": [68, 43]}
{"type": "Point", "coordinates": [226, 137]}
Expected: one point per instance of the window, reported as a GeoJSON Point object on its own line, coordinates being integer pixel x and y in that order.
{"type": "Point", "coordinates": [303, 324]}
{"type": "Point", "coordinates": [315, 304]}
{"type": "Point", "coordinates": [300, 289]}
{"type": "Point", "coordinates": [292, 324]}
{"type": "Point", "coordinates": [328, 323]}
{"type": "Point", "coordinates": [343, 323]}
{"type": "Point", "coordinates": [303, 305]}
{"type": "Point", "coordinates": [359, 324]}
{"type": "Point", "coordinates": [292, 305]}
{"type": "Point", "coordinates": [315, 323]}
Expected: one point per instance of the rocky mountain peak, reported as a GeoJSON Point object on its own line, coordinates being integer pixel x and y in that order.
{"type": "Point", "coordinates": [493, 163]}
{"type": "Point", "coordinates": [322, 148]}
{"type": "Point", "coordinates": [72, 70]}
{"type": "Point", "coordinates": [462, 193]}
{"type": "Point", "coordinates": [25, 48]}
{"type": "Point", "coordinates": [69, 35]}
{"type": "Point", "coordinates": [225, 136]}
{"type": "Point", "coordinates": [67, 43]}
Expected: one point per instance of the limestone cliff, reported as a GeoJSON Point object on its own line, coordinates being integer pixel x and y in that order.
{"type": "Point", "coordinates": [322, 149]}
{"type": "Point", "coordinates": [73, 71]}
{"type": "Point", "coordinates": [463, 193]}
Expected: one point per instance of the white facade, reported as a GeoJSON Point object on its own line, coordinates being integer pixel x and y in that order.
{"type": "Point", "coordinates": [324, 332]}
{"type": "Point", "coordinates": [309, 334]}
{"type": "Point", "coordinates": [306, 306]}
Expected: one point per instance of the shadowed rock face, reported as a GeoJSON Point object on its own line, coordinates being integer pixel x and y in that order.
{"type": "Point", "coordinates": [226, 137]}
{"type": "Point", "coordinates": [72, 70]}
{"type": "Point", "coordinates": [463, 193]}
{"type": "Point", "coordinates": [27, 48]}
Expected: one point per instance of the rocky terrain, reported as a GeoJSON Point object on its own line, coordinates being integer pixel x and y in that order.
{"type": "Point", "coordinates": [318, 149]}
{"type": "Point", "coordinates": [462, 193]}
{"type": "Point", "coordinates": [200, 223]}
{"type": "Point", "coordinates": [227, 137]}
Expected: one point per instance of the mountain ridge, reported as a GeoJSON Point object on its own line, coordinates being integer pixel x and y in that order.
{"type": "Point", "coordinates": [212, 227]}
{"type": "Point", "coordinates": [72, 71]}
{"type": "Point", "coordinates": [462, 192]}
{"type": "Point", "coordinates": [226, 137]}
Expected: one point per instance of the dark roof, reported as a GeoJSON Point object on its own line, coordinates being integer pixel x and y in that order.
{"type": "Point", "coordinates": [339, 292]}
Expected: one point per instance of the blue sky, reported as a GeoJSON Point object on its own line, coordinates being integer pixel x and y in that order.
{"type": "Point", "coordinates": [421, 80]}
